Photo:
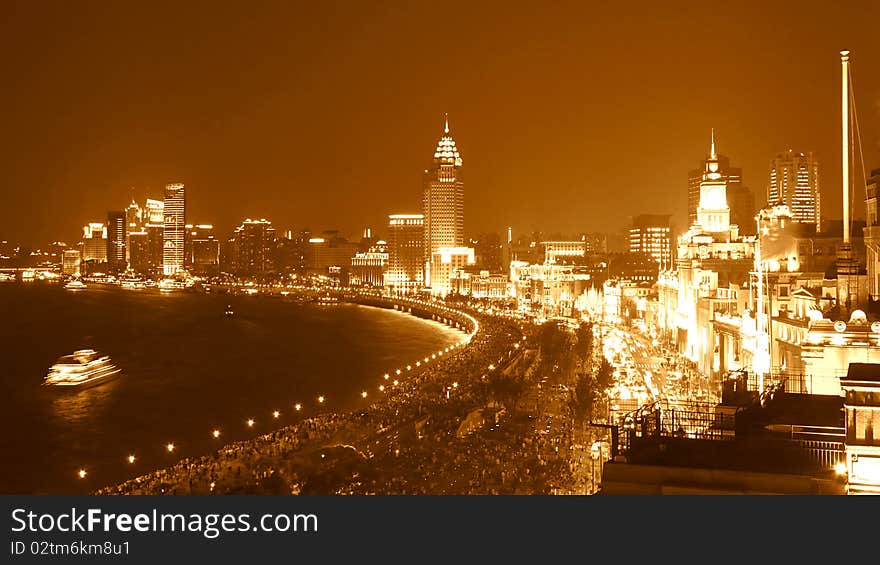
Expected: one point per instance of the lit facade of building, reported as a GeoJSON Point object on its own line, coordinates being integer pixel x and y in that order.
{"type": "Point", "coordinates": [490, 286]}
{"type": "Point", "coordinates": [447, 264]}
{"type": "Point", "coordinates": [443, 203]}
{"type": "Point", "coordinates": [861, 389]}
{"type": "Point", "coordinates": [175, 229]}
{"type": "Point", "coordinates": [712, 266]}
{"type": "Point", "coordinates": [94, 243]}
{"type": "Point", "coordinates": [116, 235]}
{"type": "Point", "coordinates": [153, 212]}
{"type": "Point", "coordinates": [872, 234]}
{"type": "Point", "coordinates": [794, 182]}
{"type": "Point", "coordinates": [368, 267]}
{"type": "Point", "coordinates": [740, 198]}
{"type": "Point", "coordinates": [548, 288]}
{"type": "Point", "coordinates": [564, 251]}
{"type": "Point", "coordinates": [70, 259]}
{"type": "Point", "coordinates": [406, 253]}
{"type": "Point", "coordinates": [650, 235]}
{"type": "Point", "coordinates": [134, 222]}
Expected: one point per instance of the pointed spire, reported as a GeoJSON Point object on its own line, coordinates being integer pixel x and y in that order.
{"type": "Point", "coordinates": [446, 127]}
{"type": "Point", "coordinates": [712, 150]}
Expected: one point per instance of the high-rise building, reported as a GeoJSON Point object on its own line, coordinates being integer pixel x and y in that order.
{"type": "Point", "coordinates": [650, 235]}
{"type": "Point", "coordinates": [175, 228]}
{"type": "Point", "coordinates": [153, 212]}
{"type": "Point", "coordinates": [740, 198]}
{"type": "Point", "coordinates": [134, 222]}
{"type": "Point", "coordinates": [406, 252]}
{"type": "Point", "coordinates": [443, 201]}
{"type": "Point", "coordinates": [203, 249]}
{"type": "Point", "coordinates": [139, 259]}
{"type": "Point", "coordinates": [255, 242]}
{"type": "Point", "coordinates": [155, 247]}
{"type": "Point", "coordinates": [116, 230]}
{"type": "Point", "coordinates": [94, 243]}
{"type": "Point", "coordinates": [794, 181]}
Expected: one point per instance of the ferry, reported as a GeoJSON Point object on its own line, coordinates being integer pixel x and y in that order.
{"type": "Point", "coordinates": [75, 284]}
{"type": "Point", "coordinates": [169, 285]}
{"type": "Point", "coordinates": [228, 312]}
{"type": "Point", "coordinates": [132, 283]}
{"type": "Point", "coordinates": [85, 368]}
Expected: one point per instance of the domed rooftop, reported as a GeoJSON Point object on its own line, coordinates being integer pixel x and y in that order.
{"type": "Point", "coordinates": [447, 152]}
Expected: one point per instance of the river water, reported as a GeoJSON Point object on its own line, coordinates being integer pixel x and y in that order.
{"type": "Point", "coordinates": [186, 370]}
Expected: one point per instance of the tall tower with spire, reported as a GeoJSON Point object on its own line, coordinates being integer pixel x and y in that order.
{"type": "Point", "coordinates": [443, 202]}
{"type": "Point", "coordinates": [740, 199]}
{"type": "Point", "coordinates": [713, 213]}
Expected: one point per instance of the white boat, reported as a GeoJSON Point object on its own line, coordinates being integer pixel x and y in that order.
{"type": "Point", "coordinates": [75, 284]}
{"type": "Point", "coordinates": [85, 368]}
{"type": "Point", "coordinates": [169, 285]}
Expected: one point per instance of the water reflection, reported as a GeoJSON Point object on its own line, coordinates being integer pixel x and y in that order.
{"type": "Point", "coordinates": [75, 406]}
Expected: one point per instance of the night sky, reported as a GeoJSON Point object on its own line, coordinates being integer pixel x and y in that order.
{"type": "Point", "coordinates": [323, 114]}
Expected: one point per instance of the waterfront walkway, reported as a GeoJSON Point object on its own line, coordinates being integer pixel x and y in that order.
{"type": "Point", "coordinates": [453, 427]}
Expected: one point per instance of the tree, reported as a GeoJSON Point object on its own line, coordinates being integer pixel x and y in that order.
{"type": "Point", "coordinates": [604, 374]}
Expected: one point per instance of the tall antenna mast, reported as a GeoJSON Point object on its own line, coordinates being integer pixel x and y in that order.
{"type": "Point", "coordinates": [844, 114]}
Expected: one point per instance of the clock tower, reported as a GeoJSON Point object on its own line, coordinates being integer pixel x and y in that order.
{"type": "Point", "coordinates": [713, 213]}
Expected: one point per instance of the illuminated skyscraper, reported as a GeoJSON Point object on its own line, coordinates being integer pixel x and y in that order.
{"type": "Point", "coordinates": [794, 181]}
{"type": "Point", "coordinates": [406, 252]}
{"type": "Point", "coordinates": [175, 228]}
{"type": "Point", "coordinates": [740, 198]}
{"type": "Point", "coordinates": [443, 200]}
{"type": "Point", "coordinates": [134, 222]}
{"type": "Point", "coordinates": [94, 248]}
{"type": "Point", "coordinates": [153, 212]}
{"type": "Point", "coordinates": [116, 230]}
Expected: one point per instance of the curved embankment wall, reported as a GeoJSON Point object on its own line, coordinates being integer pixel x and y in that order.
{"type": "Point", "coordinates": [423, 309]}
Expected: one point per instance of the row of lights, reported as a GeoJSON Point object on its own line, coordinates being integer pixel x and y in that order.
{"type": "Point", "coordinates": [170, 447]}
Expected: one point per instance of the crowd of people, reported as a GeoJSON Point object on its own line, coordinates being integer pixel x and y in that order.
{"type": "Point", "coordinates": [444, 430]}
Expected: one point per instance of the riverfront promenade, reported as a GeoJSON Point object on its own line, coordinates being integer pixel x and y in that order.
{"type": "Point", "coordinates": [446, 428]}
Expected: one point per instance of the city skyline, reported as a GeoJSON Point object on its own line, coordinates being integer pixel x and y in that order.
{"type": "Point", "coordinates": [256, 141]}
{"type": "Point", "coordinates": [567, 252]}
